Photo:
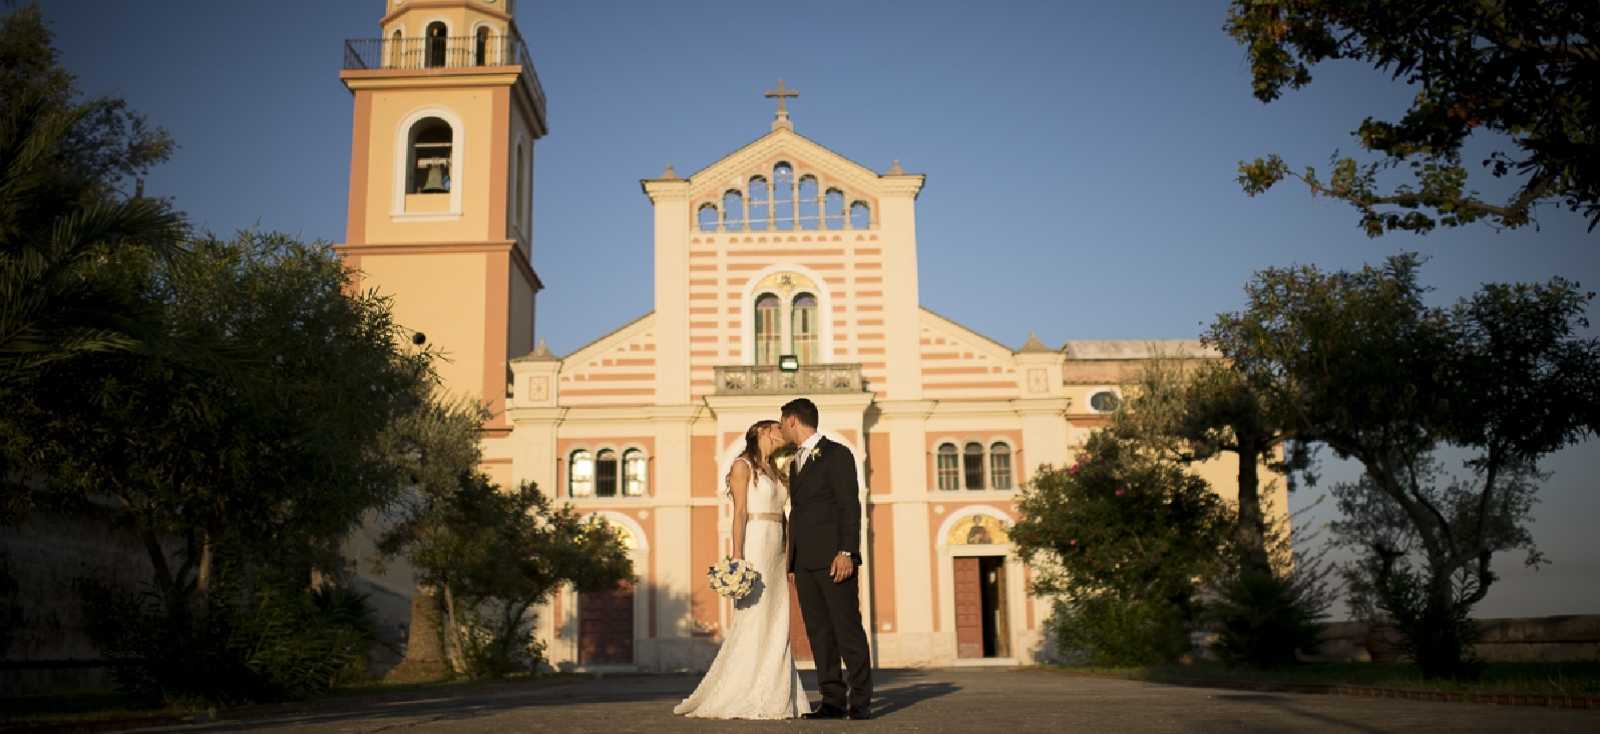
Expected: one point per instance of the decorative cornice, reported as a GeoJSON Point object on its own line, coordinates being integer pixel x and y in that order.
{"type": "Point", "coordinates": [665, 189]}
{"type": "Point", "coordinates": [543, 414]}
{"type": "Point", "coordinates": [1042, 406]}
{"type": "Point", "coordinates": [894, 409]}
{"type": "Point", "coordinates": [488, 10]}
{"type": "Point", "coordinates": [464, 76]}
{"type": "Point", "coordinates": [902, 185]}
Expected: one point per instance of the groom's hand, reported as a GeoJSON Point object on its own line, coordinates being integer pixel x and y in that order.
{"type": "Point", "coordinates": [842, 568]}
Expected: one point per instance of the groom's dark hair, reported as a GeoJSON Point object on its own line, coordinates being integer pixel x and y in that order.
{"type": "Point", "coordinates": [803, 409]}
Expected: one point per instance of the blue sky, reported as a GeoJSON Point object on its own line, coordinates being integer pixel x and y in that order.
{"type": "Point", "coordinates": [1080, 160]}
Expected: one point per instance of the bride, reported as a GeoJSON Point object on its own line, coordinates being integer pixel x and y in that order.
{"type": "Point", "coordinates": [753, 676]}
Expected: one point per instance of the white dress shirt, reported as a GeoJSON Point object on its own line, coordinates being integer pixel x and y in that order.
{"type": "Point", "coordinates": [806, 447]}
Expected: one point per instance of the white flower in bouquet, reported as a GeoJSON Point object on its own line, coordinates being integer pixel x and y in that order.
{"type": "Point", "coordinates": [732, 578]}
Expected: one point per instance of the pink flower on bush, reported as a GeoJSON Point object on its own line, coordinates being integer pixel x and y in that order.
{"type": "Point", "coordinates": [1073, 542]}
{"type": "Point", "coordinates": [1122, 491]}
{"type": "Point", "coordinates": [1073, 470]}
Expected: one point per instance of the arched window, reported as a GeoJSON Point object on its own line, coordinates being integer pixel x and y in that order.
{"type": "Point", "coordinates": [431, 142]}
{"type": "Point", "coordinates": [580, 474]}
{"type": "Point", "coordinates": [733, 211]}
{"type": "Point", "coordinates": [803, 327]}
{"type": "Point", "coordinates": [759, 201]}
{"type": "Point", "coordinates": [1000, 465]}
{"type": "Point", "coordinates": [395, 53]}
{"type": "Point", "coordinates": [768, 334]}
{"type": "Point", "coordinates": [949, 467]}
{"type": "Point", "coordinates": [605, 474]}
{"type": "Point", "coordinates": [860, 215]}
{"type": "Point", "coordinates": [708, 217]}
{"type": "Point", "coordinates": [972, 465]}
{"type": "Point", "coordinates": [480, 46]}
{"type": "Point", "coordinates": [833, 203]}
{"type": "Point", "coordinates": [437, 40]}
{"type": "Point", "coordinates": [783, 196]}
{"type": "Point", "coordinates": [635, 473]}
{"type": "Point", "coordinates": [809, 218]}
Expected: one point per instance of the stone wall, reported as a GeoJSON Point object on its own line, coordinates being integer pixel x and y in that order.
{"type": "Point", "coordinates": [1564, 638]}
{"type": "Point", "coordinates": [49, 649]}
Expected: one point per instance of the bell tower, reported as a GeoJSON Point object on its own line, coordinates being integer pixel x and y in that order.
{"type": "Point", "coordinates": [447, 109]}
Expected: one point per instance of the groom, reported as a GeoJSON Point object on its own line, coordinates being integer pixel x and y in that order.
{"type": "Point", "coordinates": [824, 550]}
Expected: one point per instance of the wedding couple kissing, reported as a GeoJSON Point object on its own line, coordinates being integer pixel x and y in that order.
{"type": "Point", "coordinates": [754, 675]}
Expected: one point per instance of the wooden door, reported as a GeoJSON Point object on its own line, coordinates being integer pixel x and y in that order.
{"type": "Point", "coordinates": [798, 642]}
{"type": "Point", "coordinates": [969, 608]}
{"type": "Point", "coordinates": [605, 626]}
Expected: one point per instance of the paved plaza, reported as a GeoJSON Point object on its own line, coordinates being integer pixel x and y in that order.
{"type": "Point", "coordinates": [960, 700]}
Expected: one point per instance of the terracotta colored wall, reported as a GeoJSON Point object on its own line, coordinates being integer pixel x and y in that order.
{"type": "Point", "coordinates": [703, 552]}
{"type": "Point", "coordinates": [703, 479]}
{"type": "Point", "coordinates": [882, 535]}
{"type": "Point", "coordinates": [878, 481]}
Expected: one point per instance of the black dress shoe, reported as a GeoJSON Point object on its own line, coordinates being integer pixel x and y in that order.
{"type": "Point", "coordinates": [825, 711]}
{"type": "Point", "coordinates": [860, 714]}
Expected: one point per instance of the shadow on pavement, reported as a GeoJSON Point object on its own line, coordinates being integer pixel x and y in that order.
{"type": "Point", "coordinates": [435, 706]}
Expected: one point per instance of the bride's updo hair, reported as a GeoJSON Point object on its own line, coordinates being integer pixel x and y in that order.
{"type": "Point", "coordinates": [752, 448]}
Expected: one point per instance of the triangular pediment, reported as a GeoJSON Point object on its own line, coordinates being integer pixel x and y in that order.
{"type": "Point", "coordinates": [805, 155]}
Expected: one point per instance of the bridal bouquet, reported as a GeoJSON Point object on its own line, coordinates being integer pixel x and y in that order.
{"type": "Point", "coordinates": [732, 578]}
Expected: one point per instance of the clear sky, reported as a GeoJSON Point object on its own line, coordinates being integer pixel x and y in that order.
{"type": "Point", "coordinates": [1080, 159]}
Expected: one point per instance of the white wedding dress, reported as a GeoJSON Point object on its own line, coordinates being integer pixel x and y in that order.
{"type": "Point", "coordinates": [753, 675]}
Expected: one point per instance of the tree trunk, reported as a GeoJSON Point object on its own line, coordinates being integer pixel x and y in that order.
{"type": "Point", "coordinates": [453, 646]}
{"type": "Point", "coordinates": [424, 659]}
{"type": "Point", "coordinates": [1251, 532]}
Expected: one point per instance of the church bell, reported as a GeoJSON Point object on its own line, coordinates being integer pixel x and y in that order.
{"type": "Point", "coordinates": [434, 184]}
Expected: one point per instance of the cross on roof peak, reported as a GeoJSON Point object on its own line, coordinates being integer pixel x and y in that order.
{"type": "Point", "coordinates": [782, 117]}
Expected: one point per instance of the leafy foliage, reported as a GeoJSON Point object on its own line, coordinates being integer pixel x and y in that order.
{"type": "Point", "coordinates": [1391, 582]}
{"type": "Point", "coordinates": [270, 456]}
{"type": "Point", "coordinates": [1122, 539]}
{"type": "Point", "coordinates": [1377, 375]}
{"type": "Point", "coordinates": [1264, 619]}
{"type": "Point", "coordinates": [71, 248]}
{"type": "Point", "coordinates": [1194, 409]}
{"type": "Point", "coordinates": [279, 643]}
{"type": "Point", "coordinates": [1524, 71]}
{"type": "Point", "coordinates": [490, 555]}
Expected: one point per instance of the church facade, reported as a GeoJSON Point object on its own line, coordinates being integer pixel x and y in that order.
{"type": "Point", "coordinates": [782, 269]}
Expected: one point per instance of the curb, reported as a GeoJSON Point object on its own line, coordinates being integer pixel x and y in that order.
{"type": "Point", "coordinates": [132, 722]}
{"type": "Point", "coordinates": [1334, 689]}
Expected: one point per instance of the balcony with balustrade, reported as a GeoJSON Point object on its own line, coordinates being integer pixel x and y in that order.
{"type": "Point", "coordinates": [810, 379]}
{"type": "Point", "coordinates": [441, 55]}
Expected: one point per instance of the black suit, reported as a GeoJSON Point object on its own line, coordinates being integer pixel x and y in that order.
{"type": "Point", "coordinates": [825, 518]}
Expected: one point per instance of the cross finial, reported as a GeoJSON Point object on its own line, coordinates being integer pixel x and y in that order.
{"type": "Point", "coordinates": [782, 92]}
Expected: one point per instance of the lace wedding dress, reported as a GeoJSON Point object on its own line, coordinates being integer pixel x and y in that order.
{"type": "Point", "coordinates": [753, 675]}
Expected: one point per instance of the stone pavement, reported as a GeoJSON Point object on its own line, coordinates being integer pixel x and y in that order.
{"type": "Point", "coordinates": [955, 700]}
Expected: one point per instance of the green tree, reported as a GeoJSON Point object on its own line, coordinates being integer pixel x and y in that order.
{"type": "Point", "coordinates": [267, 460]}
{"type": "Point", "coordinates": [1123, 541]}
{"type": "Point", "coordinates": [73, 250]}
{"type": "Point", "coordinates": [1268, 603]}
{"type": "Point", "coordinates": [1190, 410]}
{"type": "Point", "coordinates": [490, 555]}
{"type": "Point", "coordinates": [1379, 376]}
{"type": "Point", "coordinates": [1394, 578]}
{"type": "Point", "coordinates": [1526, 72]}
